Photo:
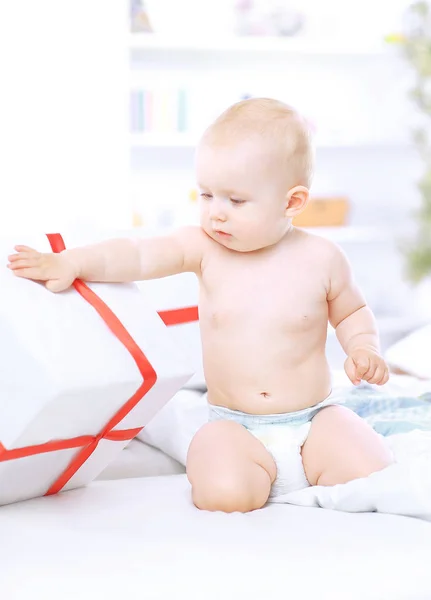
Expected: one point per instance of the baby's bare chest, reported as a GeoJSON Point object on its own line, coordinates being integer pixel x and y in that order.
{"type": "Point", "coordinates": [273, 294]}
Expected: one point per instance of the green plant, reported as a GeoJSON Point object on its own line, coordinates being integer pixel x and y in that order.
{"type": "Point", "coordinates": [416, 45]}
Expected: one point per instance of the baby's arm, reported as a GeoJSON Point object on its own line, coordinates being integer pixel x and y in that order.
{"type": "Point", "coordinates": [123, 260]}
{"type": "Point", "coordinates": [116, 260]}
{"type": "Point", "coordinates": [354, 324]}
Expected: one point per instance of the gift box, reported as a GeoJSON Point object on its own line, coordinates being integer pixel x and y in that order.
{"type": "Point", "coordinates": [176, 300]}
{"type": "Point", "coordinates": [81, 373]}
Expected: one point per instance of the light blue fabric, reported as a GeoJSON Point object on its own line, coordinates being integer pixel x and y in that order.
{"type": "Point", "coordinates": [388, 414]}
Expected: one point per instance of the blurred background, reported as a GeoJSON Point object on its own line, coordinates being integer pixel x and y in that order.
{"type": "Point", "coordinates": [103, 103]}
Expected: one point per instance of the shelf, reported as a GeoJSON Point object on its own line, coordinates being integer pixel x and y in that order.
{"type": "Point", "coordinates": [293, 46]}
{"type": "Point", "coordinates": [189, 140]}
{"type": "Point", "coordinates": [355, 234]}
{"type": "Point", "coordinates": [164, 140]}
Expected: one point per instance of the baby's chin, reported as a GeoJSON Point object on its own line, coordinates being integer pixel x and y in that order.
{"type": "Point", "coordinates": [238, 245]}
{"type": "Point", "coordinates": [249, 246]}
{"type": "Point", "coordinates": [234, 243]}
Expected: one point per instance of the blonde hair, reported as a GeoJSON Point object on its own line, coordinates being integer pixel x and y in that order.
{"type": "Point", "coordinates": [272, 120]}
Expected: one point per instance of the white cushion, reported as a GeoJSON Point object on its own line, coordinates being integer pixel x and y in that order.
{"type": "Point", "coordinates": [141, 460]}
{"type": "Point", "coordinates": [144, 538]}
{"type": "Point", "coordinates": [172, 430]}
{"type": "Point", "coordinates": [412, 353]}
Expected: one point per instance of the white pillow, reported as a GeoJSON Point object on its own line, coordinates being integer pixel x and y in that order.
{"type": "Point", "coordinates": [173, 427]}
{"type": "Point", "coordinates": [412, 353]}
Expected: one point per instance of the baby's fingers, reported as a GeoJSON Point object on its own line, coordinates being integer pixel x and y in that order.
{"type": "Point", "coordinates": [29, 273]}
{"type": "Point", "coordinates": [385, 377]}
{"type": "Point", "coordinates": [14, 257]}
{"type": "Point", "coordinates": [362, 367]}
{"type": "Point", "coordinates": [370, 374]}
{"type": "Point", "coordinates": [25, 254]}
{"type": "Point", "coordinates": [350, 369]}
{"type": "Point", "coordinates": [18, 262]}
{"type": "Point", "coordinates": [27, 258]}
{"type": "Point", "coordinates": [377, 374]}
{"type": "Point", "coordinates": [24, 249]}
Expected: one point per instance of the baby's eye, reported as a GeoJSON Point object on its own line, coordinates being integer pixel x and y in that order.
{"type": "Point", "coordinates": [237, 201]}
{"type": "Point", "coordinates": [206, 196]}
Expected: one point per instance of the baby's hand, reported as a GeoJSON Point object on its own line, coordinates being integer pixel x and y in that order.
{"type": "Point", "coordinates": [366, 364]}
{"type": "Point", "coordinates": [56, 270]}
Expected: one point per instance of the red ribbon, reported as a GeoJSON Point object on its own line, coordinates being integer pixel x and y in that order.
{"type": "Point", "coordinates": [89, 443]}
{"type": "Point", "coordinates": [179, 316]}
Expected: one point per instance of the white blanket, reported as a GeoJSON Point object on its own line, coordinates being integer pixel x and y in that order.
{"type": "Point", "coordinates": [404, 488]}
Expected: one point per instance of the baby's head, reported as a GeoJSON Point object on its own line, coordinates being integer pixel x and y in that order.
{"type": "Point", "coordinates": [254, 167]}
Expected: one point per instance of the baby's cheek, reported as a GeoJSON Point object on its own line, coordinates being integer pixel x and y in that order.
{"type": "Point", "coordinates": [258, 225]}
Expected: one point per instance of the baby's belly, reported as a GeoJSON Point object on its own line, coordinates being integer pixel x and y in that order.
{"type": "Point", "coordinates": [264, 382]}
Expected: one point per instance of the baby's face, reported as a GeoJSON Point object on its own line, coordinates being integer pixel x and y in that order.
{"type": "Point", "coordinates": [242, 195]}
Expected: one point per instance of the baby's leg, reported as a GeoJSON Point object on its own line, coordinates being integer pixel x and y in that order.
{"type": "Point", "coordinates": [341, 446]}
{"type": "Point", "coordinates": [229, 469]}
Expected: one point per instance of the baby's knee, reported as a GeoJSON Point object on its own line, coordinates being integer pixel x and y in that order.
{"type": "Point", "coordinates": [229, 493]}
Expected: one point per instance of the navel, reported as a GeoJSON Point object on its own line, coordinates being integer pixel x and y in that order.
{"type": "Point", "coordinates": [265, 394]}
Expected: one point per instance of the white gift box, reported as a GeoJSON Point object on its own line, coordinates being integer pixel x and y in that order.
{"type": "Point", "coordinates": [81, 372]}
{"type": "Point", "coordinates": [176, 300]}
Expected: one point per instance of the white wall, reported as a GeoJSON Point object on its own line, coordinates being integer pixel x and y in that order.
{"type": "Point", "coordinates": [63, 113]}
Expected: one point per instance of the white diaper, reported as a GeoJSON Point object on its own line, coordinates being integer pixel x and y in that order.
{"type": "Point", "coordinates": [284, 443]}
{"type": "Point", "coordinates": [283, 435]}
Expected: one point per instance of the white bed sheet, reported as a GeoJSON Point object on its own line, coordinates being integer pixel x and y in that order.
{"type": "Point", "coordinates": [143, 537]}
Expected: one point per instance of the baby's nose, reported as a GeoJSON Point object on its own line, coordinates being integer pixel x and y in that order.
{"type": "Point", "coordinates": [217, 212]}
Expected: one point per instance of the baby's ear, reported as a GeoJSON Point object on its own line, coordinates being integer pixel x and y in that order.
{"type": "Point", "coordinates": [296, 200]}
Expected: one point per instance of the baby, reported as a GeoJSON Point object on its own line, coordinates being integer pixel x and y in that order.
{"type": "Point", "coordinates": [267, 292]}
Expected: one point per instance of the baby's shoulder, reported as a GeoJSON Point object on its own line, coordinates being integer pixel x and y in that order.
{"type": "Point", "coordinates": [324, 249]}
{"type": "Point", "coordinates": [194, 241]}
{"type": "Point", "coordinates": [190, 234]}
{"type": "Point", "coordinates": [194, 237]}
